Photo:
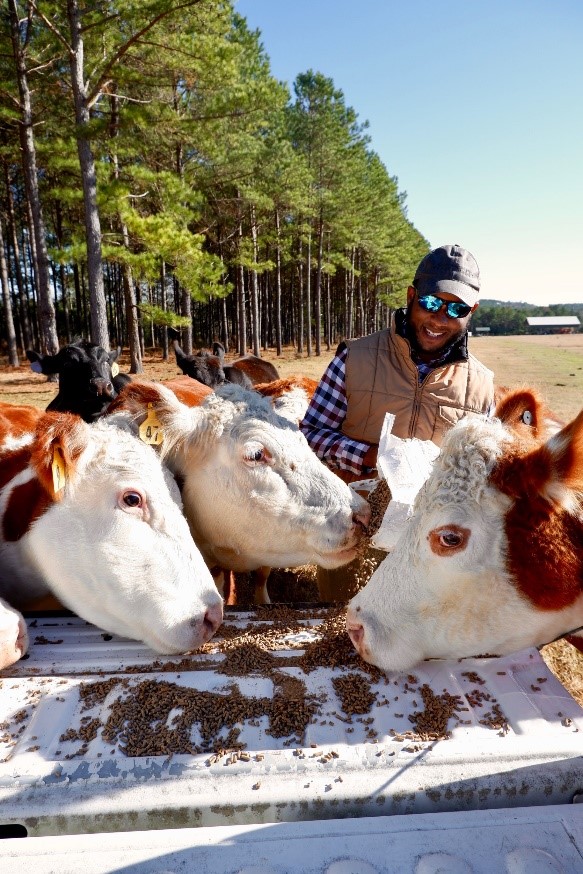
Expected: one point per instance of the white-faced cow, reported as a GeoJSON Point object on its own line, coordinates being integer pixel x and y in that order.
{"type": "Point", "coordinates": [89, 514]}
{"type": "Point", "coordinates": [89, 378]}
{"type": "Point", "coordinates": [254, 493]}
{"type": "Point", "coordinates": [491, 561]}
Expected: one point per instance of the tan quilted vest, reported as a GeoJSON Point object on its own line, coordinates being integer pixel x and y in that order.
{"type": "Point", "coordinates": [382, 378]}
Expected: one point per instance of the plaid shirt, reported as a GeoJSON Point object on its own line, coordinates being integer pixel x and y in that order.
{"type": "Point", "coordinates": [322, 424]}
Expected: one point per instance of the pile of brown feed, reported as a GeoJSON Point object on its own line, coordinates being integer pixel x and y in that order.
{"type": "Point", "coordinates": [379, 500]}
{"type": "Point", "coordinates": [153, 717]}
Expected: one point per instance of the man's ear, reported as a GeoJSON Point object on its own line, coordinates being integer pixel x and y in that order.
{"type": "Point", "coordinates": [474, 308]}
{"type": "Point", "coordinates": [410, 294]}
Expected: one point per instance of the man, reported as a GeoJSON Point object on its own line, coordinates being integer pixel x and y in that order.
{"type": "Point", "coordinates": [419, 369]}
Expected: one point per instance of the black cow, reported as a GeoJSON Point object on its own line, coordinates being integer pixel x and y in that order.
{"type": "Point", "coordinates": [209, 368]}
{"type": "Point", "coordinates": [255, 369]}
{"type": "Point", "coordinates": [203, 366]}
{"type": "Point", "coordinates": [89, 378]}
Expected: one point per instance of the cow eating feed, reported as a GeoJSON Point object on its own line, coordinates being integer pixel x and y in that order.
{"type": "Point", "coordinates": [254, 493]}
{"type": "Point", "coordinates": [491, 560]}
{"type": "Point", "coordinates": [89, 514]}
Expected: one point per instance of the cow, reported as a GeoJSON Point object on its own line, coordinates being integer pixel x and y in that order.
{"type": "Point", "coordinates": [202, 366]}
{"type": "Point", "coordinates": [256, 369]}
{"type": "Point", "coordinates": [89, 514]}
{"type": "Point", "coordinates": [491, 560]}
{"type": "Point", "coordinates": [254, 493]}
{"type": "Point", "coordinates": [290, 395]}
{"type": "Point", "coordinates": [89, 377]}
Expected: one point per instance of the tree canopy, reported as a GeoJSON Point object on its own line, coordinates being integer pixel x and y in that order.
{"type": "Point", "coordinates": [154, 173]}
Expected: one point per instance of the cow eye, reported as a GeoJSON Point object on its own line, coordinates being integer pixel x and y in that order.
{"type": "Point", "coordinates": [448, 540]}
{"type": "Point", "coordinates": [527, 417]}
{"type": "Point", "coordinates": [255, 453]}
{"type": "Point", "coordinates": [132, 499]}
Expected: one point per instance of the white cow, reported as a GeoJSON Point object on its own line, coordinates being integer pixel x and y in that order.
{"type": "Point", "coordinates": [254, 493]}
{"type": "Point", "coordinates": [491, 560]}
{"type": "Point", "coordinates": [89, 514]}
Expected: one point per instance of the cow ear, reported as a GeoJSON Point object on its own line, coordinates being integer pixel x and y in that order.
{"type": "Point", "coordinates": [552, 472]}
{"type": "Point", "coordinates": [566, 452]}
{"type": "Point", "coordinates": [39, 362]}
{"type": "Point", "coordinates": [114, 355]}
{"type": "Point", "coordinates": [521, 410]}
{"type": "Point", "coordinates": [60, 440]}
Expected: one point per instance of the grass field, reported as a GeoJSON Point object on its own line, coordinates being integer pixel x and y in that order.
{"type": "Point", "coordinates": [553, 364]}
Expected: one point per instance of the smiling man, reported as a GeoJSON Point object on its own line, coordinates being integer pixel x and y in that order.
{"type": "Point", "coordinates": [418, 368]}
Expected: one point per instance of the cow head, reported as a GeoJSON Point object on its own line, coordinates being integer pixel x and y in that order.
{"type": "Point", "coordinates": [113, 544]}
{"type": "Point", "coordinates": [254, 493]}
{"type": "Point", "coordinates": [203, 366]}
{"type": "Point", "coordinates": [491, 560]}
{"type": "Point", "coordinates": [89, 377]}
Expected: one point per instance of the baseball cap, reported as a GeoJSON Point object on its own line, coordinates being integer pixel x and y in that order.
{"type": "Point", "coordinates": [451, 269]}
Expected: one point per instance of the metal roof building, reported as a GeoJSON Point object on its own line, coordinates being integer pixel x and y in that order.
{"type": "Point", "coordinates": [554, 324]}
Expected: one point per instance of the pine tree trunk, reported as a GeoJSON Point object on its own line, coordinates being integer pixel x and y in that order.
{"type": "Point", "coordinates": [129, 295]}
{"type": "Point", "coordinates": [7, 304]}
{"type": "Point", "coordinates": [242, 324]}
{"type": "Point", "coordinates": [318, 293]}
{"type": "Point", "coordinates": [309, 295]}
{"type": "Point", "coordinates": [46, 309]}
{"type": "Point", "coordinates": [99, 330]}
{"type": "Point", "coordinates": [164, 307]}
{"type": "Point", "coordinates": [278, 341]}
{"type": "Point", "coordinates": [186, 311]}
{"type": "Point", "coordinates": [16, 271]}
{"type": "Point", "coordinates": [300, 299]}
{"type": "Point", "coordinates": [255, 331]}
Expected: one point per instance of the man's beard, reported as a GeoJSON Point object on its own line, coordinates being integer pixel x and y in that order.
{"type": "Point", "coordinates": [417, 349]}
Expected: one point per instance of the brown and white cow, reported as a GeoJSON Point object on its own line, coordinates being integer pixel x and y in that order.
{"type": "Point", "coordinates": [491, 561]}
{"type": "Point", "coordinates": [254, 493]}
{"type": "Point", "coordinates": [89, 514]}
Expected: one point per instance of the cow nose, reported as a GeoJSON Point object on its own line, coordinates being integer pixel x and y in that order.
{"type": "Point", "coordinates": [103, 387]}
{"type": "Point", "coordinates": [355, 629]}
{"type": "Point", "coordinates": [356, 635]}
{"type": "Point", "coordinates": [361, 516]}
{"type": "Point", "coordinates": [212, 620]}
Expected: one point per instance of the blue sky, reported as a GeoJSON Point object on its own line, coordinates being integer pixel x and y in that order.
{"type": "Point", "coordinates": [476, 108]}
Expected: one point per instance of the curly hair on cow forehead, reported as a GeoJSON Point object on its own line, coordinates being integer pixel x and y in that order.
{"type": "Point", "coordinates": [468, 454]}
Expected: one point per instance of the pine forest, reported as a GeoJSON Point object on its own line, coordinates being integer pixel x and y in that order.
{"type": "Point", "coordinates": [155, 175]}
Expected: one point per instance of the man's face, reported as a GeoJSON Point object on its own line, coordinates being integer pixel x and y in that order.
{"type": "Point", "coordinates": [432, 332]}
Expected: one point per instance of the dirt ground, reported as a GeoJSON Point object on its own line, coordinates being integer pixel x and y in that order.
{"type": "Point", "coordinates": [551, 363]}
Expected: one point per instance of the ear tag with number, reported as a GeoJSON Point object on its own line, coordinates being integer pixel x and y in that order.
{"type": "Point", "coordinates": [150, 430]}
{"type": "Point", "coordinates": [58, 469]}
{"type": "Point", "coordinates": [114, 368]}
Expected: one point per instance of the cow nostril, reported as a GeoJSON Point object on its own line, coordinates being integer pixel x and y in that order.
{"type": "Point", "coordinates": [362, 516]}
{"type": "Point", "coordinates": [212, 620]}
{"type": "Point", "coordinates": [355, 633]}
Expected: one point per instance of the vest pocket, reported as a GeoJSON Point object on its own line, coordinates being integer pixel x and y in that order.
{"type": "Point", "coordinates": [445, 418]}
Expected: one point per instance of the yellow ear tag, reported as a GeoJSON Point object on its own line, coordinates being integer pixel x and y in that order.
{"type": "Point", "coordinates": [150, 430]}
{"type": "Point", "coordinates": [58, 469]}
{"type": "Point", "coordinates": [114, 368]}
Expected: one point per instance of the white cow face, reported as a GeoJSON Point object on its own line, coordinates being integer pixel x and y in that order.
{"type": "Point", "coordinates": [258, 495]}
{"type": "Point", "coordinates": [117, 550]}
{"type": "Point", "coordinates": [465, 576]}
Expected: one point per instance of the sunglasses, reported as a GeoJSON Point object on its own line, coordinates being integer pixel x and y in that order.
{"type": "Point", "coordinates": [455, 309]}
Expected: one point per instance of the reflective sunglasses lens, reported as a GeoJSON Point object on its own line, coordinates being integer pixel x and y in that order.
{"type": "Point", "coordinates": [457, 310]}
{"type": "Point", "coordinates": [430, 303]}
